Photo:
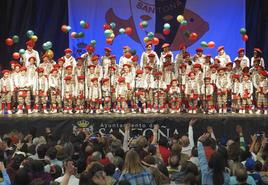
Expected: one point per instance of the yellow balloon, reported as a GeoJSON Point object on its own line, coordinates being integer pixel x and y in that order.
{"type": "Point", "coordinates": [34, 38]}
{"type": "Point", "coordinates": [146, 39]}
{"type": "Point", "coordinates": [180, 18]}
{"type": "Point", "coordinates": [50, 53]}
{"type": "Point", "coordinates": [112, 36]}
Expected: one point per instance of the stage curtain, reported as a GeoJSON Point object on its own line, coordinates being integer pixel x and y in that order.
{"type": "Point", "coordinates": [257, 27]}
{"type": "Point", "coordinates": [44, 17]}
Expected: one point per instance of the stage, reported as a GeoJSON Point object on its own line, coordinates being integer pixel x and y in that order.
{"type": "Point", "coordinates": [223, 124]}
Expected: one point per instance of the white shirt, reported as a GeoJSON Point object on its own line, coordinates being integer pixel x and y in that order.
{"type": "Point", "coordinates": [29, 54]}
{"type": "Point", "coordinates": [72, 181]}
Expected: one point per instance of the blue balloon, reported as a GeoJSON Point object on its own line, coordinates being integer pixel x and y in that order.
{"type": "Point", "coordinates": [167, 26]}
{"type": "Point", "coordinates": [113, 25]}
{"type": "Point", "coordinates": [29, 33]}
{"type": "Point", "coordinates": [122, 30]}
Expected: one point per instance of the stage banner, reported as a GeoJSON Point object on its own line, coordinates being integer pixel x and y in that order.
{"type": "Point", "coordinates": [212, 20]}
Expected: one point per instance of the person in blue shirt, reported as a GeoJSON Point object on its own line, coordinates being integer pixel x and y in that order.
{"type": "Point", "coordinates": [6, 179]}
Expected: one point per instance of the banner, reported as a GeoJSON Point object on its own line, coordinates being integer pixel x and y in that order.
{"type": "Point", "coordinates": [212, 20]}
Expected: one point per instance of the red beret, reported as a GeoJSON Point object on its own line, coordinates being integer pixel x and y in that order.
{"type": "Point", "coordinates": [139, 71]}
{"type": "Point", "coordinates": [5, 71]}
{"type": "Point", "coordinates": [69, 67]}
{"type": "Point", "coordinates": [61, 60]}
{"type": "Point", "coordinates": [67, 78]}
{"type": "Point", "coordinates": [45, 56]}
{"type": "Point", "coordinates": [57, 66]}
{"type": "Point", "coordinates": [221, 68]}
{"type": "Point", "coordinates": [173, 80]}
{"type": "Point", "coordinates": [105, 80]}
{"type": "Point", "coordinates": [68, 50]}
{"type": "Point", "coordinates": [82, 77]}
{"type": "Point", "coordinates": [189, 74]}
{"type": "Point", "coordinates": [168, 55]}
{"type": "Point", "coordinates": [30, 43]}
{"type": "Point", "coordinates": [135, 58]}
{"type": "Point", "coordinates": [17, 65]}
{"type": "Point", "coordinates": [220, 48]}
{"type": "Point", "coordinates": [151, 55]}
{"type": "Point", "coordinates": [229, 64]}
{"type": "Point", "coordinates": [79, 58]}
{"type": "Point", "coordinates": [259, 67]}
{"type": "Point", "coordinates": [148, 44]}
{"type": "Point", "coordinates": [32, 58]}
{"type": "Point", "coordinates": [95, 57]}
{"type": "Point", "coordinates": [127, 65]}
{"type": "Point", "coordinates": [263, 73]}
{"type": "Point", "coordinates": [199, 50]}
{"type": "Point", "coordinates": [258, 50]}
{"type": "Point", "coordinates": [237, 76]}
{"type": "Point", "coordinates": [165, 45]}
{"type": "Point", "coordinates": [245, 69]}
{"type": "Point", "coordinates": [94, 79]}
{"type": "Point", "coordinates": [91, 65]}
{"type": "Point", "coordinates": [112, 57]}
{"type": "Point", "coordinates": [148, 67]}
{"type": "Point", "coordinates": [158, 73]}
{"type": "Point", "coordinates": [112, 67]}
{"type": "Point", "coordinates": [121, 79]}
{"type": "Point", "coordinates": [23, 68]}
{"type": "Point", "coordinates": [108, 49]}
{"type": "Point", "coordinates": [208, 56]}
{"type": "Point", "coordinates": [39, 70]}
{"type": "Point", "coordinates": [197, 66]}
{"type": "Point", "coordinates": [182, 66]}
{"type": "Point", "coordinates": [240, 50]}
{"type": "Point", "coordinates": [53, 70]}
{"type": "Point", "coordinates": [90, 48]}
{"type": "Point", "coordinates": [185, 55]}
{"type": "Point", "coordinates": [182, 46]}
{"type": "Point", "coordinates": [246, 74]}
{"type": "Point", "coordinates": [127, 55]}
{"type": "Point", "coordinates": [237, 60]}
{"type": "Point", "coordinates": [214, 66]}
{"type": "Point", "coordinates": [13, 62]}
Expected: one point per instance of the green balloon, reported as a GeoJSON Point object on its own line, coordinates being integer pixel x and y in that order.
{"type": "Point", "coordinates": [22, 51]}
{"type": "Point", "coordinates": [93, 42]}
{"type": "Point", "coordinates": [150, 35]}
{"type": "Point", "coordinates": [186, 33]}
{"type": "Point", "coordinates": [15, 38]}
{"type": "Point", "coordinates": [204, 44]}
{"type": "Point", "coordinates": [144, 24]}
{"type": "Point", "coordinates": [133, 52]}
{"type": "Point", "coordinates": [81, 34]}
{"type": "Point", "coordinates": [184, 23]}
{"type": "Point", "coordinates": [243, 31]}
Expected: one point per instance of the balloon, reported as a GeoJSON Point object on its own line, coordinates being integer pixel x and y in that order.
{"type": "Point", "coordinates": [15, 38]}
{"type": "Point", "coordinates": [34, 38]}
{"type": "Point", "coordinates": [166, 32]}
{"type": "Point", "coordinates": [122, 30]}
{"type": "Point", "coordinates": [183, 27]}
{"type": "Point", "coordinates": [211, 44]}
{"type": "Point", "coordinates": [109, 41]}
{"type": "Point", "coordinates": [204, 44]}
{"type": "Point", "coordinates": [146, 39]}
{"type": "Point", "coordinates": [155, 41]}
{"type": "Point", "coordinates": [133, 52]}
{"type": "Point", "coordinates": [73, 35]}
{"type": "Point", "coordinates": [106, 26]}
{"type": "Point", "coordinates": [112, 36]}
{"type": "Point", "coordinates": [113, 25]}
{"type": "Point", "coordinates": [93, 42]}
{"type": "Point", "coordinates": [128, 30]}
{"type": "Point", "coordinates": [9, 42]}
{"type": "Point", "coordinates": [22, 51]}
{"type": "Point", "coordinates": [16, 55]}
{"type": "Point", "coordinates": [82, 23]}
{"type": "Point", "coordinates": [243, 31]}
{"type": "Point", "coordinates": [49, 44]}
{"type": "Point", "coordinates": [245, 38]}
{"type": "Point", "coordinates": [180, 18]}
{"type": "Point", "coordinates": [29, 33]}
{"type": "Point", "coordinates": [64, 28]}
{"type": "Point", "coordinates": [186, 33]}
{"type": "Point", "coordinates": [150, 35]}
{"type": "Point", "coordinates": [50, 53]}
{"type": "Point", "coordinates": [184, 23]}
{"type": "Point", "coordinates": [193, 36]}
{"type": "Point", "coordinates": [80, 34]}
{"type": "Point", "coordinates": [68, 28]}
{"type": "Point", "coordinates": [108, 33]}
{"type": "Point", "coordinates": [86, 25]}
{"type": "Point", "coordinates": [167, 26]}
{"type": "Point", "coordinates": [144, 24]}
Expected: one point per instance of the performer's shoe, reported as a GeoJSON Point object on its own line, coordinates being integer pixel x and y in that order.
{"type": "Point", "coordinates": [54, 111]}
{"type": "Point", "coordinates": [45, 111]}
{"type": "Point", "coordinates": [145, 111]}
{"type": "Point", "coordinates": [9, 112]}
{"type": "Point", "coordinates": [134, 111]}
{"type": "Point", "coordinates": [98, 111]}
{"type": "Point", "coordinates": [266, 112]}
{"type": "Point", "coordinates": [224, 111]}
{"type": "Point", "coordinates": [162, 111]}
{"type": "Point", "coordinates": [1, 111]}
{"type": "Point", "coordinates": [240, 111]}
{"type": "Point", "coordinates": [30, 111]}
{"type": "Point", "coordinates": [172, 111]}
{"type": "Point", "coordinates": [35, 111]}
{"type": "Point", "coordinates": [220, 111]}
{"type": "Point", "coordinates": [70, 112]}
{"type": "Point", "coordinates": [258, 112]}
{"type": "Point", "coordinates": [250, 112]}
{"type": "Point", "coordinates": [233, 112]}
{"type": "Point", "coordinates": [122, 111]}
{"type": "Point", "coordinates": [19, 112]}
{"type": "Point", "coordinates": [91, 112]}
{"type": "Point", "coordinates": [194, 111]}
{"type": "Point", "coordinates": [77, 112]}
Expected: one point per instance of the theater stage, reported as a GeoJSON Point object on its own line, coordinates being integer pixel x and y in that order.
{"type": "Point", "coordinates": [170, 123]}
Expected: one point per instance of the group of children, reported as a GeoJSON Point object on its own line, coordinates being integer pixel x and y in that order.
{"type": "Point", "coordinates": [94, 84]}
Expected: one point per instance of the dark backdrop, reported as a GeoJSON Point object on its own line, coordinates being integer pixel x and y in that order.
{"type": "Point", "coordinates": [44, 17]}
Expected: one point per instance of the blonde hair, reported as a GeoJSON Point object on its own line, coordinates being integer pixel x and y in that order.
{"type": "Point", "coordinates": [132, 162]}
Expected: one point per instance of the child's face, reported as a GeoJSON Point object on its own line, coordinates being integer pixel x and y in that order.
{"type": "Point", "coordinates": [79, 63]}
{"type": "Point", "coordinates": [68, 55]}
{"type": "Point", "coordinates": [236, 80]}
{"type": "Point", "coordinates": [68, 81]}
{"type": "Point", "coordinates": [221, 72]}
{"type": "Point", "coordinates": [229, 67]}
{"type": "Point", "coordinates": [174, 83]}
{"type": "Point", "coordinates": [17, 69]}
{"type": "Point", "coordinates": [6, 75]}
{"type": "Point", "coordinates": [192, 76]}
{"type": "Point", "coordinates": [246, 78]}
{"type": "Point", "coordinates": [207, 82]}
{"type": "Point", "coordinates": [183, 69]}
{"type": "Point", "coordinates": [196, 69]}
{"type": "Point", "coordinates": [40, 74]}
{"type": "Point", "coordinates": [32, 61]}
{"type": "Point", "coordinates": [81, 81]}
{"type": "Point", "coordinates": [69, 71]}
{"type": "Point", "coordinates": [92, 70]}
{"type": "Point", "coordinates": [23, 72]}
{"type": "Point", "coordinates": [126, 69]}
{"type": "Point", "coordinates": [95, 82]}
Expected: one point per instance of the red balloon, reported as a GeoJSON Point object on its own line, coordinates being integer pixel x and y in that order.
{"type": "Point", "coordinates": [141, 26]}
{"type": "Point", "coordinates": [245, 38]}
{"type": "Point", "coordinates": [128, 30]}
{"type": "Point", "coordinates": [16, 55]}
{"type": "Point", "coordinates": [193, 36]}
{"type": "Point", "coordinates": [166, 31]}
{"type": "Point", "coordinates": [155, 41]}
{"type": "Point", "coordinates": [9, 42]}
{"type": "Point", "coordinates": [128, 55]}
{"type": "Point", "coordinates": [87, 25]}
{"type": "Point", "coordinates": [73, 34]}
{"type": "Point", "coordinates": [211, 44]}
{"type": "Point", "coordinates": [64, 28]}
{"type": "Point", "coordinates": [109, 41]}
{"type": "Point", "coordinates": [106, 27]}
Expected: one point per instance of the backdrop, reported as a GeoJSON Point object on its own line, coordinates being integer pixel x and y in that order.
{"type": "Point", "coordinates": [212, 20]}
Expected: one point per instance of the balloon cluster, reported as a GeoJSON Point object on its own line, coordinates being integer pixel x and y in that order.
{"type": "Point", "coordinates": [166, 29]}
{"type": "Point", "coordinates": [10, 41]}
{"type": "Point", "coordinates": [30, 34]}
{"type": "Point", "coordinates": [47, 45]}
{"type": "Point", "coordinates": [244, 35]}
{"type": "Point", "coordinates": [65, 28]}
{"type": "Point", "coordinates": [151, 38]}
{"type": "Point", "coordinates": [143, 24]}
{"type": "Point", "coordinates": [109, 33]}
{"type": "Point", "coordinates": [84, 24]}
{"type": "Point", "coordinates": [75, 35]}
{"type": "Point", "coordinates": [210, 44]}
{"type": "Point", "coordinates": [190, 35]}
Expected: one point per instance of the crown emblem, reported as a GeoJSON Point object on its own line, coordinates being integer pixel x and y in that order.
{"type": "Point", "coordinates": [83, 124]}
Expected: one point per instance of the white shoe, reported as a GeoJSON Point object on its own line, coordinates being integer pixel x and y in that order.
{"type": "Point", "coordinates": [77, 112]}
{"type": "Point", "coordinates": [19, 112]}
{"type": "Point", "coordinates": [172, 111]}
{"type": "Point", "coordinates": [194, 111]}
{"type": "Point", "coordinates": [243, 111]}
{"type": "Point", "coordinates": [250, 112]}
{"type": "Point", "coordinates": [224, 111]}
{"type": "Point", "coordinates": [97, 111]}
{"type": "Point", "coordinates": [266, 112]}
{"type": "Point", "coordinates": [91, 112]}
{"type": "Point", "coordinates": [54, 111]}
{"type": "Point", "coordinates": [122, 111]}
{"type": "Point", "coordinates": [70, 112]}
{"type": "Point", "coordinates": [45, 111]}
{"type": "Point", "coordinates": [9, 112]}
{"type": "Point", "coordinates": [109, 112]}
{"type": "Point", "coordinates": [34, 111]}
{"type": "Point", "coordinates": [149, 110]}
{"type": "Point", "coordinates": [1, 111]}
{"type": "Point", "coordinates": [240, 111]}
{"type": "Point", "coordinates": [65, 111]}
{"type": "Point", "coordinates": [30, 111]}
{"type": "Point", "coordinates": [233, 112]}
{"type": "Point", "coordinates": [258, 112]}
{"type": "Point", "coordinates": [179, 111]}
{"type": "Point", "coordinates": [190, 111]}
{"type": "Point", "coordinates": [220, 111]}
{"type": "Point", "coordinates": [145, 111]}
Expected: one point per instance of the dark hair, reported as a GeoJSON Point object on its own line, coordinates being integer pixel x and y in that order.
{"type": "Point", "coordinates": [234, 151]}
{"type": "Point", "coordinates": [8, 141]}
{"type": "Point", "coordinates": [189, 179]}
{"type": "Point", "coordinates": [152, 149]}
{"type": "Point", "coordinates": [194, 152]}
{"type": "Point", "coordinates": [217, 164]}
{"type": "Point", "coordinates": [37, 166]}
{"type": "Point", "coordinates": [41, 151]}
{"type": "Point", "coordinates": [120, 153]}
{"type": "Point", "coordinates": [210, 142]}
{"type": "Point", "coordinates": [189, 167]}
{"type": "Point", "coordinates": [258, 166]}
{"type": "Point", "coordinates": [38, 181]}
{"type": "Point", "coordinates": [52, 153]}
{"type": "Point", "coordinates": [109, 169]}
{"type": "Point", "coordinates": [174, 161]}
{"type": "Point", "coordinates": [123, 182]}
{"type": "Point", "coordinates": [21, 177]}
{"type": "Point", "coordinates": [163, 141]}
